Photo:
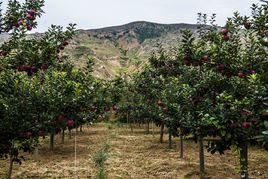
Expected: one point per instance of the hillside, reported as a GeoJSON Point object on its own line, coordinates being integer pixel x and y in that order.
{"type": "Point", "coordinates": [120, 48]}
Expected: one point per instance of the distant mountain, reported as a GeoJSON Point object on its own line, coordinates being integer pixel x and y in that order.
{"type": "Point", "coordinates": [139, 30]}
{"type": "Point", "coordinates": [118, 48]}
{"type": "Point", "coordinates": [125, 47]}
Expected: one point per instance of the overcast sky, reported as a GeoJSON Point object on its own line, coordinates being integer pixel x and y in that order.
{"type": "Point", "coordinates": [101, 13]}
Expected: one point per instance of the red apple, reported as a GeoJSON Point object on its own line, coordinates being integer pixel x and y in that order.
{"type": "Point", "coordinates": [30, 17]}
{"type": "Point", "coordinates": [44, 67]}
{"type": "Point", "coordinates": [224, 31]}
{"type": "Point", "coordinates": [29, 27]}
{"type": "Point", "coordinates": [246, 125]}
{"type": "Point", "coordinates": [21, 68]}
{"type": "Point", "coordinates": [252, 72]}
{"type": "Point", "coordinates": [65, 43]}
{"type": "Point", "coordinates": [254, 121]}
{"type": "Point", "coordinates": [107, 109]}
{"type": "Point", "coordinates": [159, 103]}
{"type": "Point", "coordinates": [221, 67]}
{"type": "Point", "coordinates": [266, 32]}
{"type": "Point", "coordinates": [241, 75]}
{"type": "Point", "coordinates": [34, 69]}
{"type": "Point", "coordinates": [32, 12]}
{"type": "Point", "coordinates": [233, 125]}
{"type": "Point", "coordinates": [70, 123]}
{"type": "Point", "coordinates": [24, 68]}
{"type": "Point", "coordinates": [247, 25]}
{"type": "Point", "coordinates": [115, 108]}
{"type": "Point", "coordinates": [21, 22]}
{"type": "Point", "coordinates": [226, 37]}
{"type": "Point", "coordinates": [205, 58]}
{"type": "Point", "coordinates": [3, 53]}
{"type": "Point", "coordinates": [61, 118]}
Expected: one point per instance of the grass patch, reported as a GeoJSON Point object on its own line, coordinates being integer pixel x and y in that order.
{"type": "Point", "coordinates": [99, 158]}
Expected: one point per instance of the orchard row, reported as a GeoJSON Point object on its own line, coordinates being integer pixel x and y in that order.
{"type": "Point", "coordinates": [213, 86]}
{"type": "Point", "coordinates": [41, 92]}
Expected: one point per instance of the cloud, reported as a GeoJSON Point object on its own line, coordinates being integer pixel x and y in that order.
{"type": "Point", "coordinates": [95, 14]}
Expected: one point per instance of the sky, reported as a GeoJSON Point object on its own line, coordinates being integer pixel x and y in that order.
{"type": "Point", "coordinates": [90, 14]}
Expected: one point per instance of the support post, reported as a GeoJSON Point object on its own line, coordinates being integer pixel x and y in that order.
{"type": "Point", "coordinates": [244, 160]}
{"type": "Point", "coordinates": [169, 139]}
{"type": "Point", "coordinates": [181, 145]}
{"type": "Point", "coordinates": [51, 141]}
{"type": "Point", "coordinates": [62, 136]}
{"type": "Point", "coordinates": [162, 132]}
{"type": "Point", "coordinates": [11, 161]}
{"type": "Point", "coordinates": [201, 158]}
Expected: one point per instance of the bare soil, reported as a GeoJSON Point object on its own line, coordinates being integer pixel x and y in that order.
{"type": "Point", "coordinates": [134, 155]}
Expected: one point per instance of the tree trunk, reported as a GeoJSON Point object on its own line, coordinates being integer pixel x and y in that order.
{"type": "Point", "coordinates": [181, 145]}
{"type": "Point", "coordinates": [62, 136]}
{"type": "Point", "coordinates": [127, 119]}
{"type": "Point", "coordinates": [81, 129]}
{"type": "Point", "coordinates": [129, 122]}
{"type": "Point", "coordinates": [201, 158]}
{"type": "Point", "coordinates": [70, 134]}
{"type": "Point", "coordinates": [162, 132]}
{"type": "Point", "coordinates": [244, 161]}
{"type": "Point", "coordinates": [51, 145]}
{"type": "Point", "coordinates": [148, 127]}
{"type": "Point", "coordinates": [36, 152]}
{"type": "Point", "coordinates": [153, 128]}
{"type": "Point", "coordinates": [169, 140]}
{"type": "Point", "coordinates": [11, 161]}
{"type": "Point", "coordinates": [131, 127]}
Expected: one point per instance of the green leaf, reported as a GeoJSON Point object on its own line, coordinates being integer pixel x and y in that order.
{"type": "Point", "coordinates": [223, 132]}
{"type": "Point", "coordinates": [266, 124]}
{"type": "Point", "coordinates": [265, 132]}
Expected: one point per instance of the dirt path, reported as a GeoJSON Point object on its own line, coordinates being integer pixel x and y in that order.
{"type": "Point", "coordinates": [131, 155]}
